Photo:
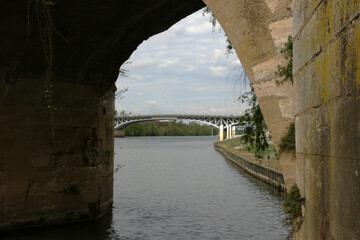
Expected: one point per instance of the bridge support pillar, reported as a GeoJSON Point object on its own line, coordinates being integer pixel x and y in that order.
{"type": "Point", "coordinates": [227, 132]}
{"type": "Point", "coordinates": [221, 133]}
{"type": "Point", "coordinates": [119, 133]}
{"type": "Point", "coordinates": [233, 131]}
{"type": "Point", "coordinates": [57, 169]}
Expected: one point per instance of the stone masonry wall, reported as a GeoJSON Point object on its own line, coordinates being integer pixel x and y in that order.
{"type": "Point", "coordinates": [258, 29]}
{"type": "Point", "coordinates": [42, 182]}
{"type": "Point", "coordinates": [327, 80]}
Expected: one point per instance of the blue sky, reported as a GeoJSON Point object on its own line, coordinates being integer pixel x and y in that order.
{"type": "Point", "coordinates": [183, 70]}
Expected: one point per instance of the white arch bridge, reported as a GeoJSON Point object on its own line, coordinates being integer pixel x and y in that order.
{"type": "Point", "coordinates": [223, 123]}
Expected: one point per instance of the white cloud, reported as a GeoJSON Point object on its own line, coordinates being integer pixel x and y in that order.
{"type": "Point", "coordinates": [183, 70]}
{"type": "Point", "coordinates": [138, 77]}
{"type": "Point", "coordinates": [151, 102]}
{"type": "Point", "coordinates": [219, 71]}
{"type": "Point", "coordinates": [202, 89]}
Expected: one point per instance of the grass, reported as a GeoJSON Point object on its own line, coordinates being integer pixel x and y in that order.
{"type": "Point", "coordinates": [235, 146]}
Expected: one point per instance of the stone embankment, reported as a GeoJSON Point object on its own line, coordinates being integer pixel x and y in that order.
{"type": "Point", "coordinates": [269, 175]}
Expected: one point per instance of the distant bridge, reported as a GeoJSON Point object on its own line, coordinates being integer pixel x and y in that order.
{"type": "Point", "coordinates": [223, 123]}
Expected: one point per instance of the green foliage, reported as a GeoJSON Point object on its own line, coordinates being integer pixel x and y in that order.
{"type": "Point", "coordinates": [286, 71]}
{"type": "Point", "coordinates": [213, 21]}
{"type": "Point", "coordinates": [288, 141]}
{"type": "Point", "coordinates": [254, 125]}
{"type": "Point", "coordinates": [49, 95]}
{"type": "Point", "coordinates": [168, 129]}
{"type": "Point", "coordinates": [229, 47]}
{"type": "Point", "coordinates": [292, 206]}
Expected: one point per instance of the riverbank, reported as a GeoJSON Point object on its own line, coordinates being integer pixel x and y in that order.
{"type": "Point", "coordinates": [272, 176]}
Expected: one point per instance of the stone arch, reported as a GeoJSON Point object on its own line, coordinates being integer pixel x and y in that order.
{"type": "Point", "coordinates": [258, 29]}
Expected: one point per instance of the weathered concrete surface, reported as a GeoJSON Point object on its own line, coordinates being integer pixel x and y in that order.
{"type": "Point", "coordinates": [258, 29]}
{"type": "Point", "coordinates": [41, 181]}
{"type": "Point", "coordinates": [327, 79]}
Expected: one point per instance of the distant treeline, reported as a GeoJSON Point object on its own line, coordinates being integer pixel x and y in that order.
{"type": "Point", "coordinates": [169, 129]}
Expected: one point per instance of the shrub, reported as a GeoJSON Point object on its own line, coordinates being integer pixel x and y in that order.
{"type": "Point", "coordinates": [288, 141]}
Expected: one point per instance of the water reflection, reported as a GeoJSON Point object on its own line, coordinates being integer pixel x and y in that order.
{"type": "Point", "coordinates": [177, 188]}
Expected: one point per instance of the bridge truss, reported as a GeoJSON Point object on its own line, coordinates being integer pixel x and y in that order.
{"type": "Point", "coordinates": [221, 122]}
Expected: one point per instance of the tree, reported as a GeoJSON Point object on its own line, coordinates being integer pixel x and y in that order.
{"type": "Point", "coordinates": [254, 125]}
{"type": "Point", "coordinates": [168, 129]}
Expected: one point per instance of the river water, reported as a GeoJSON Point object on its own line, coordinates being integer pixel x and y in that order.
{"type": "Point", "coordinates": [178, 188]}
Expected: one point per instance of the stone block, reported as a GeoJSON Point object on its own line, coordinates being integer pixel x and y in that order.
{"type": "Point", "coordinates": [216, 6]}
{"type": "Point", "coordinates": [75, 141]}
{"type": "Point", "coordinates": [345, 12]}
{"type": "Point", "coordinates": [326, 131]}
{"type": "Point", "coordinates": [288, 165]}
{"type": "Point", "coordinates": [313, 134]}
{"type": "Point", "coordinates": [265, 71]}
{"type": "Point", "coordinates": [314, 225]}
{"type": "Point", "coordinates": [331, 189]}
{"type": "Point", "coordinates": [15, 197]}
{"type": "Point", "coordinates": [280, 31]}
{"type": "Point", "coordinates": [278, 130]}
{"type": "Point", "coordinates": [303, 10]}
{"type": "Point", "coordinates": [271, 110]}
{"type": "Point", "coordinates": [305, 44]}
{"type": "Point", "coordinates": [300, 172]}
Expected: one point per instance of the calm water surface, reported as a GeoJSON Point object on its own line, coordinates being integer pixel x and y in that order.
{"type": "Point", "coordinates": [178, 188]}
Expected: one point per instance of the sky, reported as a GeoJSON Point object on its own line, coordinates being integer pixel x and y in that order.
{"type": "Point", "coordinates": [183, 70]}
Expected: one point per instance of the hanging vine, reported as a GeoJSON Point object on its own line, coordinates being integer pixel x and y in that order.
{"type": "Point", "coordinates": [213, 21]}
{"type": "Point", "coordinates": [46, 31]}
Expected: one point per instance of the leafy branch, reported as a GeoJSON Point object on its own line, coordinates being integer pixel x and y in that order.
{"type": "Point", "coordinates": [285, 72]}
{"type": "Point", "coordinates": [292, 209]}
{"type": "Point", "coordinates": [213, 21]}
{"type": "Point", "coordinates": [288, 141]}
{"type": "Point", "coordinates": [254, 125]}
